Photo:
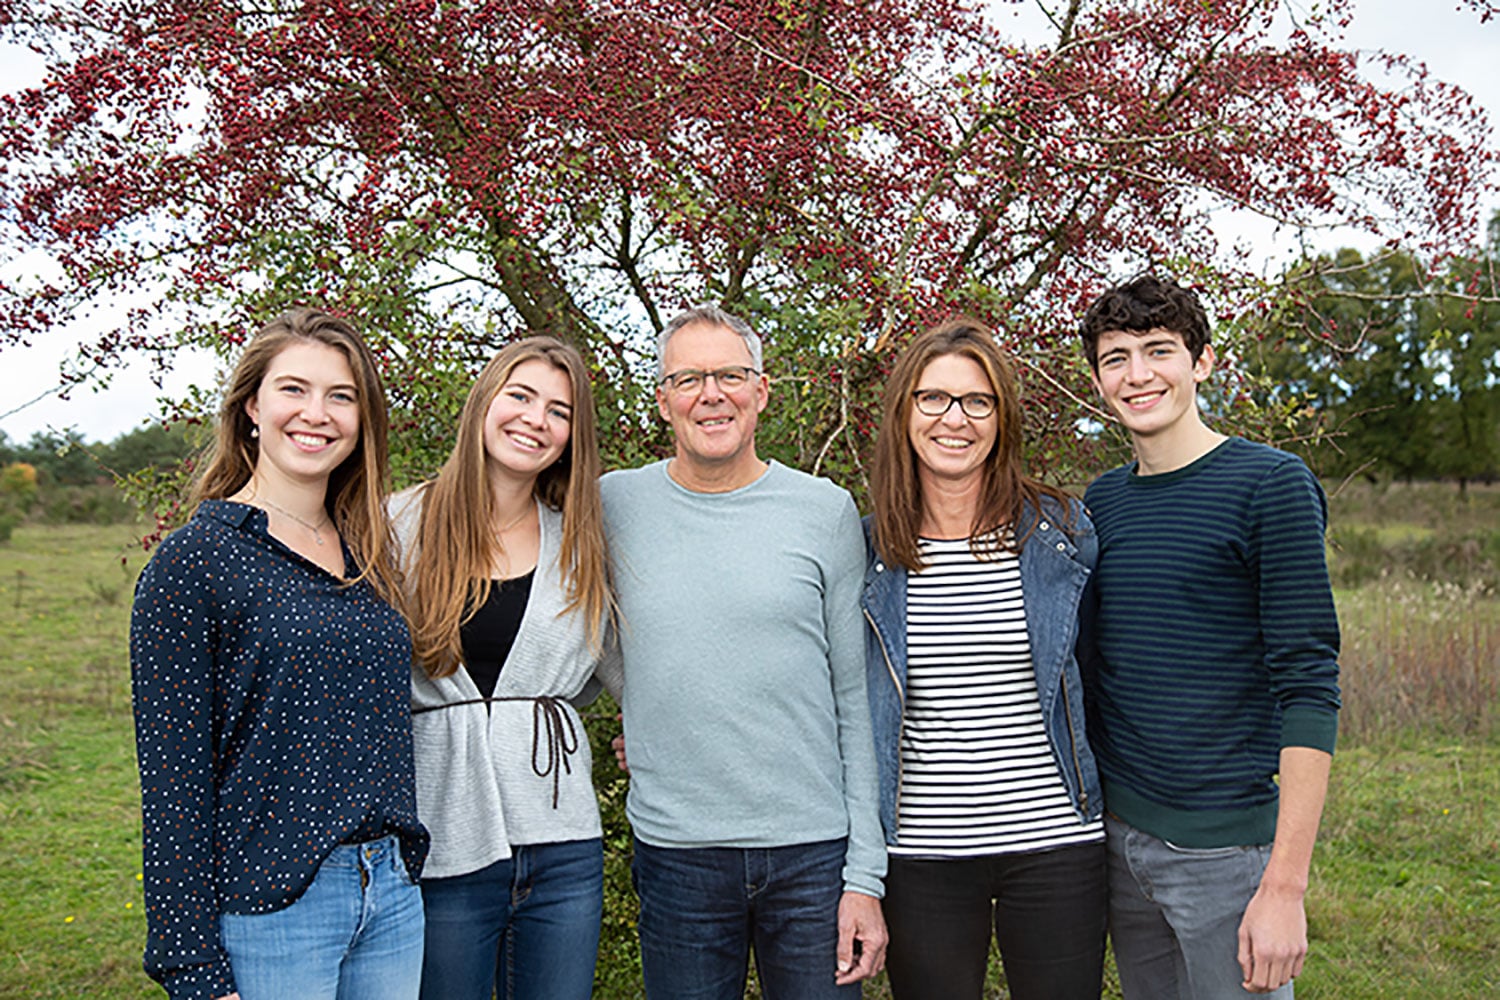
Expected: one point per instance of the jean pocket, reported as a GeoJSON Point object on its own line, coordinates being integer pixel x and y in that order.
{"type": "Point", "coordinates": [1208, 853]}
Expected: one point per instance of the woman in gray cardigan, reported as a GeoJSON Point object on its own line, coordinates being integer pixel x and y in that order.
{"type": "Point", "coordinates": [505, 564]}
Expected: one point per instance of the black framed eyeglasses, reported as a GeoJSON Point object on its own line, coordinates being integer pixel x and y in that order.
{"type": "Point", "coordinates": [936, 402]}
{"type": "Point", "coordinates": [690, 381]}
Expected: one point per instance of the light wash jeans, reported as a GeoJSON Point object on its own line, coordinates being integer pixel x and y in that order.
{"type": "Point", "coordinates": [355, 934]}
{"type": "Point", "coordinates": [1174, 915]}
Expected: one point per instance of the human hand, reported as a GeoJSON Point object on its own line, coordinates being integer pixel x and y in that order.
{"type": "Point", "coordinates": [618, 746]}
{"type": "Point", "coordinates": [862, 938]}
{"type": "Point", "coordinates": [1273, 940]}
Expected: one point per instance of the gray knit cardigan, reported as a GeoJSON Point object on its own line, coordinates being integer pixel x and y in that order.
{"type": "Point", "coordinates": [516, 771]}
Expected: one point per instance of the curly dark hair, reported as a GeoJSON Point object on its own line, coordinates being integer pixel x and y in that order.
{"type": "Point", "coordinates": [1142, 304]}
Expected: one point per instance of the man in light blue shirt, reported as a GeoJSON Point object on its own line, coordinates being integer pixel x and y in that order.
{"type": "Point", "coordinates": [753, 793]}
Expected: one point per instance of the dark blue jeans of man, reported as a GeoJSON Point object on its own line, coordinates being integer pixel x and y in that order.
{"type": "Point", "coordinates": [526, 928]}
{"type": "Point", "coordinates": [704, 909]}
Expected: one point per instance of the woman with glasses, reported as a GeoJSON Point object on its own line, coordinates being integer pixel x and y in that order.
{"type": "Point", "coordinates": [505, 564]}
{"type": "Point", "coordinates": [269, 668]}
{"type": "Point", "coordinates": [989, 796]}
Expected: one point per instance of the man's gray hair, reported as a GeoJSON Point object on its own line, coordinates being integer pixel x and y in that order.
{"type": "Point", "coordinates": [707, 314]}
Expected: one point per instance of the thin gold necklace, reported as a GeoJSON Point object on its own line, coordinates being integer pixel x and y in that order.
{"type": "Point", "coordinates": [317, 535]}
{"type": "Point", "coordinates": [506, 527]}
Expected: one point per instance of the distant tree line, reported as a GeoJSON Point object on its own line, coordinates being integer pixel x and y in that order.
{"type": "Point", "coordinates": [1390, 370]}
{"type": "Point", "coordinates": [64, 458]}
{"type": "Point", "coordinates": [59, 478]}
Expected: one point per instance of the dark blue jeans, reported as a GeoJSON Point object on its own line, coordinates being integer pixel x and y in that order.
{"type": "Point", "coordinates": [703, 909]}
{"type": "Point", "coordinates": [526, 928]}
{"type": "Point", "coordinates": [1047, 908]}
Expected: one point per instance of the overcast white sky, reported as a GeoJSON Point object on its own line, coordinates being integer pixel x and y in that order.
{"type": "Point", "coordinates": [1455, 46]}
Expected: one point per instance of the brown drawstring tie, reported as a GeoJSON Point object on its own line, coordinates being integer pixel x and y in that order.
{"type": "Point", "coordinates": [546, 710]}
{"type": "Point", "coordinates": [547, 714]}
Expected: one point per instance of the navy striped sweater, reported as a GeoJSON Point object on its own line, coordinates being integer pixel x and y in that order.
{"type": "Point", "coordinates": [1216, 642]}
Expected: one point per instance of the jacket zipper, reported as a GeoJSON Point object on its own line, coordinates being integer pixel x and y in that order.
{"type": "Point", "coordinates": [1083, 793]}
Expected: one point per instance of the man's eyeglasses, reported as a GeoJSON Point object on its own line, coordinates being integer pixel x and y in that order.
{"type": "Point", "coordinates": [936, 402]}
{"type": "Point", "coordinates": [690, 381]}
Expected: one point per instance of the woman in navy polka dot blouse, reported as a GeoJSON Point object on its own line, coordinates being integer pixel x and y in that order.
{"type": "Point", "coordinates": [270, 671]}
{"type": "Point", "coordinates": [509, 608]}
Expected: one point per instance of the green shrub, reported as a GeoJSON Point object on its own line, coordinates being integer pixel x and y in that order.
{"type": "Point", "coordinates": [1356, 557]}
{"type": "Point", "coordinates": [18, 489]}
{"type": "Point", "coordinates": [8, 521]}
{"type": "Point", "coordinates": [1429, 532]}
{"type": "Point", "coordinates": [618, 972]}
{"type": "Point", "coordinates": [94, 503]}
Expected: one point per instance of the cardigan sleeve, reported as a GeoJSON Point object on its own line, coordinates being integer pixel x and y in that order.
{"type": "Point", "coordinates": [610, 670]}
{"type": "Point", "coordinates": [172, 684]}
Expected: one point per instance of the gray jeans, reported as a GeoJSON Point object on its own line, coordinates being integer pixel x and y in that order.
{"type": "Point", "coordinates": [1174, 915]}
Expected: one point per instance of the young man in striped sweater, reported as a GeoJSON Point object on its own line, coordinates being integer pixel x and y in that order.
{"type": "Point", "coordinates": [1214, 669]}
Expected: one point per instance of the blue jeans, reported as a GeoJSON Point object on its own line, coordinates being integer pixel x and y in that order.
{"type": "Point", "coordinates": [1174, 915]}
{"type": "Point", "coordinates": [526, 928]}
{"type": "Point", "coordinates": [355, 934]}
{"type": "Point", "coordinates": [702, 909]}
{"type": "Point", "coordinates": [1047, 909]}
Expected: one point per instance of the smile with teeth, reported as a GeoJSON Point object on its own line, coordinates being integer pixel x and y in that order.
{"type": "Point", "coordinates": [950, 442]}
{"type": "Point", "coordinates": [714, 422]}
{"type": "Point", "coordinates": [525, 440]}
{"type": "Point", "coordinates": [308, 440]}
{"type": "Point", "coordinates": [1145, 398]}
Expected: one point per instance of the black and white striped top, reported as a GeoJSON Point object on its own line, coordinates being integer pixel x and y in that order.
{"type": "Point", "coordinates": [978, 776]}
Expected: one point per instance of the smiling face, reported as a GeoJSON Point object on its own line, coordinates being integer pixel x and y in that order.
{"type": "Point", "coordinates": [1150, 381]}
{"type": "Point", "coordinates": [307, 410]}
{"type": "Point", "coordinates": [529, 422]}
{"type": "Point", "coordinates": [714, 429]}
{"type": "Point", "coordinates": [952, 449]}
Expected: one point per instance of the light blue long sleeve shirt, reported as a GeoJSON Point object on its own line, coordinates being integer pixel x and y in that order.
{"type": "Point", "coordinates": [746, 716]}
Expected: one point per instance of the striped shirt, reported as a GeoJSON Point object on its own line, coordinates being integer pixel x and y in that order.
{"type": "Point", "coordinates": [1217, 641]}
{"type": "Point", "coordinates": [978, 776]}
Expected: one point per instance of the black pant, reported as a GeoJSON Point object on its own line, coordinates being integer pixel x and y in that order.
{"type": "Point", "coordinates": [1049, 910]}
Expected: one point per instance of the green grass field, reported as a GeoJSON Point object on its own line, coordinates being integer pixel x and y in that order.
{"type": "Point", "coordinates": [1405, 900]}
{"type": "Point", "coordinates": [70, 917]}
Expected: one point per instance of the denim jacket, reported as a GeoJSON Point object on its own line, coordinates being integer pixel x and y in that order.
{"type": "Point", "coordinates": [1055, 568]}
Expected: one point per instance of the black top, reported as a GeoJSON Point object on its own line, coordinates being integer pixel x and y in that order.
{"type": "Point", "coordinates": [488, 636]}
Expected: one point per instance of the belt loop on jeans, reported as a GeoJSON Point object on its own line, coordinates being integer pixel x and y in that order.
{"type": "Point", "coordinates": [359, 838]}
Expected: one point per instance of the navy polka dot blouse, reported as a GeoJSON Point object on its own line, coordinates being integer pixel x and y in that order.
{"type": "Point", "coordinates": [272, 715]}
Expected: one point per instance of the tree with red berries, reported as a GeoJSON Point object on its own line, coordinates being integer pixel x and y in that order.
{"type": "Point", "coordinates": [841, 172]}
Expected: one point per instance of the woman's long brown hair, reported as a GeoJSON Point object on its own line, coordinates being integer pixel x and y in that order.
{"type": "Point", "coordinates": [356, 489]}
{"type": "Point", "coordinates": [449, 567]}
